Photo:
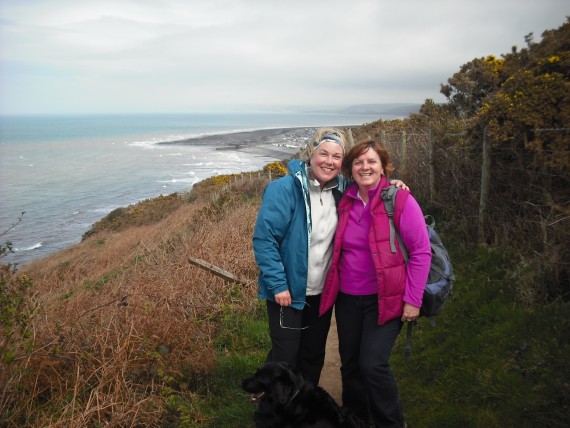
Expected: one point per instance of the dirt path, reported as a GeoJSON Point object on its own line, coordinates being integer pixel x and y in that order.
{"type": "Point", "coordinates": [330, 376]}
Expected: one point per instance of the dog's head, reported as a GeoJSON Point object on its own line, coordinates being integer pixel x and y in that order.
{"type": "Point", "coordinates": [278, 381]}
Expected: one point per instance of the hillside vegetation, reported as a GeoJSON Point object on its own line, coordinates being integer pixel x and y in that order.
{"type": "Point", "coordinates": [120, 330]}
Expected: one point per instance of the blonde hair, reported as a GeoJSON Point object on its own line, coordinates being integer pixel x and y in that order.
{"type": "Point", "coordinates": [307, 152]}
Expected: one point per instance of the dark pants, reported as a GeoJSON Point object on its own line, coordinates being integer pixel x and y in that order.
{"type": "Point", "coordinates": [299, 337]}
{"type": "Point", "coordinates": [368, 385]}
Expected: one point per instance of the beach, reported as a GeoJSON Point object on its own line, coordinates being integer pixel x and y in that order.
{"type": "Point", "coordinates": [276, 143]}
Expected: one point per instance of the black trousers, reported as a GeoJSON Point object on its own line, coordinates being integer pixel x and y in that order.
{"type": "Point", "coordinates": [368, 385]}
{"type": "Point", "coordinates": [299, 337]}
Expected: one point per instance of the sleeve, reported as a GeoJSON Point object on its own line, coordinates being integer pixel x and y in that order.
{"type": "Point", "coordinates": [273, 221]}
{"type": "Point", "coordinates": [415, 236]}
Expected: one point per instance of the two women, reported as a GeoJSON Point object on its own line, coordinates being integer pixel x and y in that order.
{"type": "Point", "coordinates": [373, 288]}
{"type": "Point", "coordinates": [292, 242]}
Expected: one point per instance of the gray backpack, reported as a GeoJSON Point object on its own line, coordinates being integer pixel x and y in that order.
{"type": "Point", "coordinates": [441, 277]}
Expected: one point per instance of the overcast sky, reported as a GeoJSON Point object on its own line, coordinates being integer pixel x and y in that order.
{"type": "Point", "coordinates": [130, 56]}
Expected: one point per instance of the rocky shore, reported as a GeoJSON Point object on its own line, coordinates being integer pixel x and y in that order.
{"type": "Point", "coordinates": [275, 143]}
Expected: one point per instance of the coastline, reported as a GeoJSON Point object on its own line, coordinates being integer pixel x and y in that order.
{"type": "Point", "coordinates": [146, 175]}
{"type": "Point", "coordinates": [275, 142]}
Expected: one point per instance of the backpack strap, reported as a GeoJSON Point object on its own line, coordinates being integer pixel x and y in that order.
{"type": "Point", "coordinates": [337, 195]}
{"type": "Point", "coordinates": [389, 197]}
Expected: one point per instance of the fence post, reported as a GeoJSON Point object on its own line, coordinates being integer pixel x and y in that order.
{"type": "Point", "coordinates": [350, 139]}
{"type": "Point", "coordinates": [431, 164]}
{"type": "Point", "coordinates": [383, 138]}
{"type": "Point", "coordinates": [403, 153]}
{"type": "Point", "coordinates": [485, 186]}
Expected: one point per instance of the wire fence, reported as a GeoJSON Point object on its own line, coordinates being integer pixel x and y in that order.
{"type": "Point", "coordinates": [509, 194]}
{"type": "Point", "coordinates": [468, 176]}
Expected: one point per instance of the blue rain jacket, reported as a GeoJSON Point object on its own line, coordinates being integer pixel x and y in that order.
{"type": "Point", "coordinates": [282, 234]}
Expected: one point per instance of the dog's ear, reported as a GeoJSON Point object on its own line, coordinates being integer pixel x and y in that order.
{"type": "Point", "coordinates": [285, 384]}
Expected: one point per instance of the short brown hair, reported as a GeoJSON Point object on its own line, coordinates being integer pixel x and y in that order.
{"type": "Point", "coordinates": [361, 147]}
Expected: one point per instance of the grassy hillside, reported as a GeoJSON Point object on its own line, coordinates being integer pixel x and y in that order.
{"type": "Point", "coordinates": [121, 330]}
{"type": "Point", "coordinates": [121, 327]}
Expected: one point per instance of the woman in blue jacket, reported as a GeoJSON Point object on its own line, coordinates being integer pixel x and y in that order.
{"type": "Point", "coordinates": [292, 242]}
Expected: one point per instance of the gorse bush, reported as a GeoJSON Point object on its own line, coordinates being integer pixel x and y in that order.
{"type": "Point", "coordinates": [144, 212]}
{"type": "Point", "coordinates": [277, 169]}
{"type": "Point", "coordinates": [515, 109]}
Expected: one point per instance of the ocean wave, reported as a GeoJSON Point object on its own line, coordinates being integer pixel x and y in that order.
{"type": "Point", "coordinates": [154, 143]}
{"type": "Point", "coordinates": [289, 146]}
{"type": "Point", "coordinates": [179, 180]}
{"type": "Point", "coordinates": [107, 210]}
{"type": "Point", "coordinates": [31, 247]}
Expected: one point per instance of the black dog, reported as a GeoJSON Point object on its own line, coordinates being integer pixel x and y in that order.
{"type": "Point", "coordinates": [290, 401]}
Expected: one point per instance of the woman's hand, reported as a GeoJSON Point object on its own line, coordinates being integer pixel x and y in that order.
{"type": "Point", "coordinates": [400, 184]}
{"type": "Point", "coordinates": [411, 313]}
{"type": "Point", "coordinates": [283, 298]}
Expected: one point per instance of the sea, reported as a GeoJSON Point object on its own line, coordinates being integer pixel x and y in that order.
{"type": "Point", "coordinates": [61, 174]}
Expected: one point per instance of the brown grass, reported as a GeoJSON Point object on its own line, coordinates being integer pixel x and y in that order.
{"type": "Point", "coordinates": [123, 317]}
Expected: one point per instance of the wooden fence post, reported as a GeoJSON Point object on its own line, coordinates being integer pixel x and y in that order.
{"type": "Point", "coordinates": [403, 153]}
{"type": "Point", "coordinates": [485, 186]}
{"type": "Point", "coordinates": [224, 274]}
{"type": "Point", "coordinates": [431, 164]}
{"type": "Point", "coordinates": [350, 140]}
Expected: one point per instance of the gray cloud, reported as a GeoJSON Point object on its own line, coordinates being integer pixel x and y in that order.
{"type": "Point", "coordinates": [61, 56]}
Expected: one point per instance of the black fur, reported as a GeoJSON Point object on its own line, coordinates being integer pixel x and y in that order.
{"type": "Point", "coordinates": [290, 401]}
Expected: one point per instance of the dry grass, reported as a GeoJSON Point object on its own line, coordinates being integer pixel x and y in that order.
{"type": "Point", "coordinates": [122, 318]}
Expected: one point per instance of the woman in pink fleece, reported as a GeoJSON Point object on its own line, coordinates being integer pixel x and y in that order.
{"type": "Point", "coordinates": [373, 289]}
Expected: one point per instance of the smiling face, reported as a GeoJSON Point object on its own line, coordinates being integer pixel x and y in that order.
{"type": "Point", "coordinates": [326, 162]}
{"type": "Point", "coordinates": [367, 170]}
